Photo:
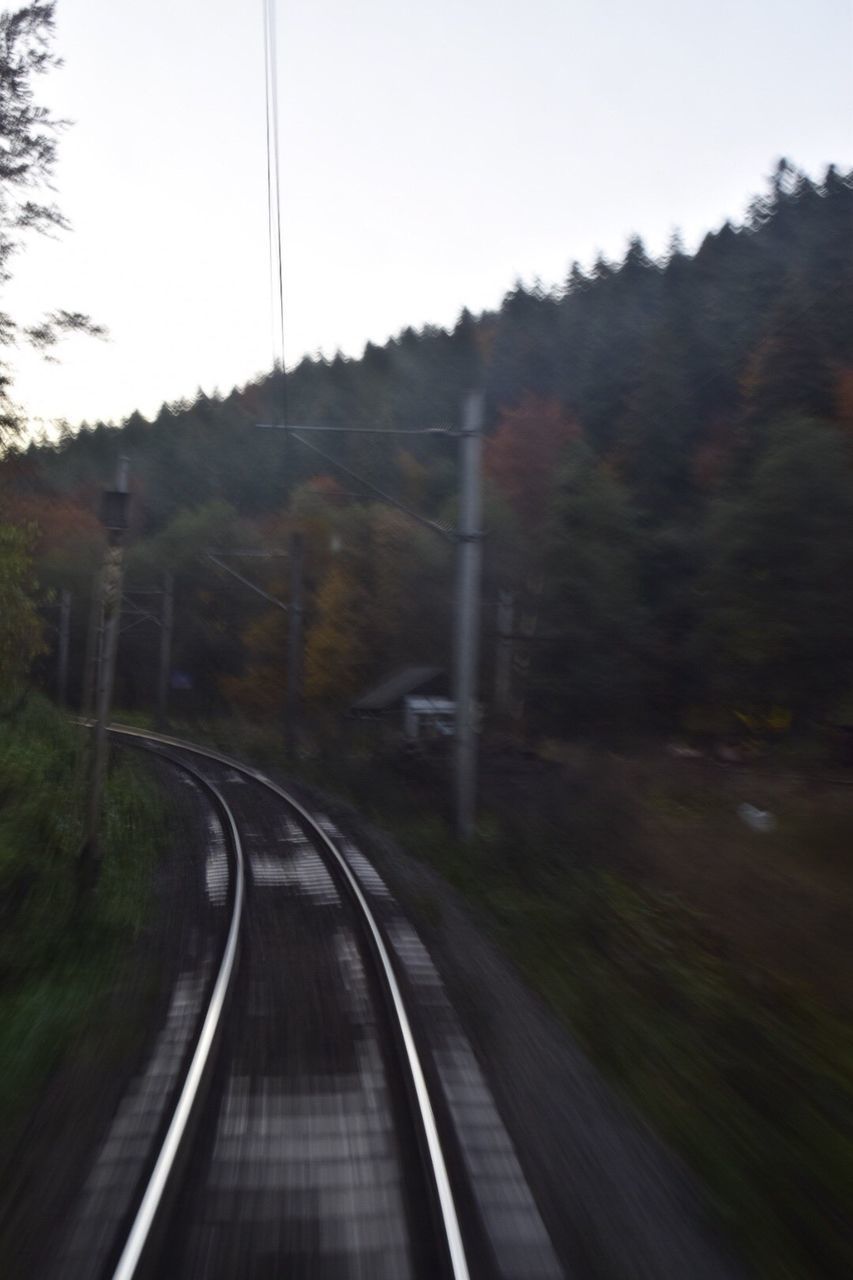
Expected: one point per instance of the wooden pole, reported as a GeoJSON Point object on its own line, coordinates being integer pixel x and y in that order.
{"type": "Point", "coordinates": [166, 621]}
{"type": "Point", "coordinates": [111, 578]}
{"type": "Point", "coordinates": [62, 664]}
{"type": "Point", "coordinates": [87, 704]}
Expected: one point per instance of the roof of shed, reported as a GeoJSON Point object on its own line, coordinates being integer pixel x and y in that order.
{"type": "Point", "coordinates": [395, 687]}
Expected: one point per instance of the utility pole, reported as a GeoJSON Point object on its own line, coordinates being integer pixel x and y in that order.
{"type": "Point", "coordinates": [294, 643]}
{"type": "Point", "coordinates": [468, 566]}
{"type": "Point", "coordinates": [114, 518]}
{"type": "Point", "coordinates": [468, 538]}
{"type": "Point", "coordinates": [62, 664]}
{"type": "Point", "coordinates": [90, 662]}
{"type": "Point", "coordinates": [166, 621]}
{"type": "Point", "coordinates": [503, 656]}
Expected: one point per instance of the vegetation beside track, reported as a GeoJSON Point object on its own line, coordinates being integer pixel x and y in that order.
{"type": "Point", "coordinates": [700, 962]}
{"type": "Point", "coordinates": [749, 1076]}
{"type": "Point", "coordinates": [59, 961]}
{"type": "Point", "coordinates": [677, 979]}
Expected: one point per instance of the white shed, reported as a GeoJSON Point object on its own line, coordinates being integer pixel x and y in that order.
{"type": "Point", "coordinates": [425, 718]}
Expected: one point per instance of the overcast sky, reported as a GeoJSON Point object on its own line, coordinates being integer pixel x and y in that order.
{"type": "Point", "coordinates": [432, 153]}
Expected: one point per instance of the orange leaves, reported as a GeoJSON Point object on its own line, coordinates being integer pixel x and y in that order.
{"type": "Point", "coordinates": [259, 691]}
{"type": "Point", "coordinates": [327, 487]}
{"type": "Point", "coordinates": [336, 649]}
{"type": "Point", "coordinates": [844, 396]}
{"type": "Point", "coordinates": [524, 454]}
{"type": "Point", "coordinates": [61, 523]}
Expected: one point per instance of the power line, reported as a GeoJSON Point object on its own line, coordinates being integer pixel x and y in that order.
{"type": "Point", "coordinates": [436, 527]}
{"type": "Point", "coordinates": [245, 581]}
{"type": "Point", "coordinates": [274, 187]}
{"type": "Point", "coordinates": [269, 179]}
{"type": "Point", "coordinates": [363, 431]}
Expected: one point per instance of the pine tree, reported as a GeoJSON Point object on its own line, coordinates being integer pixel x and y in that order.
{"type": "Point", "coordinates": [778, 595]}
{"type": "Point", "coordinates": [589, 668]}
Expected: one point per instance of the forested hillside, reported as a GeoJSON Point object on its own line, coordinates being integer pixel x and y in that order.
{"type": "Point", "coordinates": [669, 493]}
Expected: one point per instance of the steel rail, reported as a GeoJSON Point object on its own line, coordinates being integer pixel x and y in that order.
{"type": "Point", "coordinates": [153, 1196]}
{"type": "Point", "coordinates": [449, 1217]}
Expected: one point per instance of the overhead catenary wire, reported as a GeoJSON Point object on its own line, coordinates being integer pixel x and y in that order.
{"type": "Point", "coordinates": [270, 243]}
{"type": "Point", "coordinates": [444, 530]}
{"type": "Point", "coordinates": [276, 254]}
{"type": "Point", "coordinates": [246, 583]}
{"type": "Point", "coordinates": [362, 431]}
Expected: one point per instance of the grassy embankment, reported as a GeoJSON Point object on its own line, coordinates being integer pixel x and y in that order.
{"type": "Point", "coordinates": [704, 965]}
{"type": "Point", "coordinates": [57, 964]}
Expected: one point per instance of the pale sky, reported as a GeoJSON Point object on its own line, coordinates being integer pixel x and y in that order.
{"type": "Point", "coordinates": [431, 154]}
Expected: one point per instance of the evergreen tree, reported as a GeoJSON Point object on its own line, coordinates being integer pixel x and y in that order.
{"type": "Point", "coordinates": [590, 668]}
{"type": "Point", "coordinates": [778, 596]}
{"type": "Point", "coordinates": [524, 355]}
{"type": "Point", "coordinates": [676, 375]}
{"type": "Point", "coordinates": [659, 428]}
{"type": "Point", "coordinates": [789, 371]}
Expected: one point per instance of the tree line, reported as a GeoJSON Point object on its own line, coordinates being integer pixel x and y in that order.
{"type": "Point", "coordinates": [669, 492]}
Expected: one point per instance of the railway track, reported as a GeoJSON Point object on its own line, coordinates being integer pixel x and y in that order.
{"type": "Point", "coordinates": [311, 1105]}
{"type": "Point", "coordinates": [308, 1103]}
{"type": "Point", "coordinates": [303, 1140]}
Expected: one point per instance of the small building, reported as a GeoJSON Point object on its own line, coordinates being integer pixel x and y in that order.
{"type": "Point", "coordinates": [412, 701]}
{"type": "Point", "coordinates": [428, 719]}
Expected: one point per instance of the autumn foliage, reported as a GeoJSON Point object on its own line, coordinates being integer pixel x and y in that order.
{"type": "Point", "coordinates": [524, 454]}
{"type": "Point", "coordinates": [656, 431]}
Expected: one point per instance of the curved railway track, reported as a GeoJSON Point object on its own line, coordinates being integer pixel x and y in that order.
{"type": "Point", "coordinates": [304, 1140]}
